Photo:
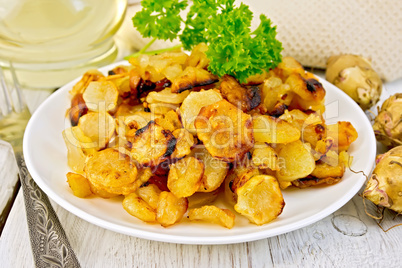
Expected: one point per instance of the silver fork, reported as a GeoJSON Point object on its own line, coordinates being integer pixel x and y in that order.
{"type": "Point", "coordinates": [49, 242]}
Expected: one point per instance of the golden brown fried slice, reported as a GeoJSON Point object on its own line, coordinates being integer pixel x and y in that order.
{"type": "Point", "coordinates": [166, 96]}
{"type": "Point", "coordinates": [138, 119]}
{"type": "Point", "coordinates": [120, 69]}
{"type": "Point", "coordinates": [295, 117]}
{"type": "Point", "coordinates": [192, 105]}
{"type": "Point", "coordinates": [199, 199]}
{"type": "Point", "coordinates": [215, 170]}
{"type": "Point", "coordinates": [98, 191]}
{"type": "Point", "coordinates": [264, 156]}
{"type": "Point", "coordinates": [192, 77]}
{"type": "Point", "coordinates": [184, 142]}
{"type": "Point", "coordinates": [324, 170]}
{"type": "Point", "coordinates": [225, 130]}
{"type": "Point", "coordinates": [99, 127]}
{"type": "Point", "coordinates": [152, 144]}
{"type": "Point", "coordinates": [122, 83]}
{"type": "Point", "coordinates": [322, 147]}
{"type": "Point", "coordinates": [139, 208]}
{"type": "Point", "coordinates": [101, 96]}
{"type": "Point", "coordinates": [78, 147]}
{"type": "Point", "coordinates": [276, 95]}
{"type": "Point", "coordinates": [198, 58]}
{"type": "Point", "coordinates": [343, 134]}
{"type": "Point", "coordinates": [88, 77]}
{"type": "Point", "coordinates": [150, 194]}
{"type": "Point", "coordinates": [157, 67]}
{"type": "Point", "coordinates": [170, 121]}
{"type": "Point", "coordinates": [296, 161]}
{"type": "Point", "coordinates": [243, 173]}
{"type": "Point", "coordinates": [313, 181]}
{"type": "Point", "coordinates": [244, 98]}
{"type": "Point", "coordinates": [185, 176]}
{"type": "Point", "coordinates": [213, 214]}
{"type": "Point", "coordinates": [274, 130]}
{"type": "Point", "coordinates": [312, 126]}
{"type": "Point", "coordinates": [260, 199]}
{"type": "Point", "coordinates": [160, 108]}
{"type": "Point", "coordinates": [143, 175]}
{"type": "Point", "coordinates": [77, 109]}
{"type": "Point", "coordinates": [79, 185]}
{"type": "Point", "coordinates": [112, 171]}
{"type": "Point", "coordinates": [308, 89]}
{"type": "Point", "coordinates": [170, 209]}
{"type": "Point", "coordinates": [229, 195]}
{"type": "Point", "coordinates": [288, 66]}
{"type": "Point", "coordinates": [134, 82]}
{"type": "Point", "coordinates": [314, 133]}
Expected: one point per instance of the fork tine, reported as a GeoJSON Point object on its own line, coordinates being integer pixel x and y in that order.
{"type": "Point", "coordinates": [6, 104]}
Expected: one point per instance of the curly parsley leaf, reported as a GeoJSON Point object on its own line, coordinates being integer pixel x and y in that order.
{"type": "Point", "coordinates": [234, 50]}
{"type": "Point", "coordinates": [200, 13]}
{"type": "Point", "coordinates": [160, 19]}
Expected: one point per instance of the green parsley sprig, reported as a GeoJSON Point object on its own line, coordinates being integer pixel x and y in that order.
{"type": "Point", "coordinates": [232, 48]}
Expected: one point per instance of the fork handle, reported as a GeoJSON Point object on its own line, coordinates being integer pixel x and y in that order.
{"type": "Point", "coordinates": [50, 246]}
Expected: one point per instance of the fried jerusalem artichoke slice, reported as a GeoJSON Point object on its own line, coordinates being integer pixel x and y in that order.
{"type": "Point", "coordinates": [112, 171]}
{"type": "Point", "coordinates": [309, 92]}
{"type": "Point", "coordinates": [215, 170]}
{"type": "Point", "coordinates": [264, 156]}
{"type": "Point", "coordinates": [79, 185]}
{"type": "Point", "coordinates": [323, 174]}
{"type": "Point", "coordinates": [244, 98]}
{"type": "Point", "coordinates": [101, 96]}
{"type": "Point", "coordinates": [184, 142]}
{"type": "Point", "coordinates": [139, 208]}
{"type": "Point", "coordinates": [274, 130]}
{"type": "Point", "coordinates": [343, 134]}
{"type": "Point", "coordinates": [308, 89]}
{"type": "Point", "coordinates": [170, 209]}
{"type": "Point", "coordinates": [297, 161]}
{"type": "Point", "coordinates": [192, 77]}
{"type": "Point", "coordinates": [260, 199]}
{"type": "Point", "coordinates": [88, 77]}
{"type": "Point", "coordinates": [185, 176]}
{"type": "Point", "coordinates": [192, 104]}
{"type": "Point", "coordinates": [77, 109]}
{"type": "Point", "coordinates": [225, 130]}
{"type": "Point", "coordinates": [151, 144]}
{"type": "Point", "coordinates": [213, 214]}
{"type": "Point", "coordinates": [99, 127]}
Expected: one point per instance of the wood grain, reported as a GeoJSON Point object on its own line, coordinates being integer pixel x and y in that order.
{"type": "Point", "coordinates": [8, 181]}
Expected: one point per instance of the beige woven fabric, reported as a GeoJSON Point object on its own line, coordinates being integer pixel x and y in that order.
{"type": "Point", "coordinates": [313, 30]}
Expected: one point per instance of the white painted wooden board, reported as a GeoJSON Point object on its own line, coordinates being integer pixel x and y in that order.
{"type": "Point", "coordinates": [8, 180]}
{"type": "Point", "coordinates": [347, 238]}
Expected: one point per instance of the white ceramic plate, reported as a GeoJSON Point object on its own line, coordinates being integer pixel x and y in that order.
{"type": "Point", "coordinates": [45, 155]}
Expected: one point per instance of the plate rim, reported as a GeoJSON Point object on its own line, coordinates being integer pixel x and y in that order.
{"type": "Point", "coordinates": [194, 240]}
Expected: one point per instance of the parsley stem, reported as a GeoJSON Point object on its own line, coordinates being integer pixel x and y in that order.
{"type": "Point", "coordinates": [142, 51]}
{"type": "Point", "coordinates": [147, 46]}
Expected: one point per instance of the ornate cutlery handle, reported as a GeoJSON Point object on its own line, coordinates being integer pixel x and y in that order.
{"type": "Point", "coordinates": [49, 242]}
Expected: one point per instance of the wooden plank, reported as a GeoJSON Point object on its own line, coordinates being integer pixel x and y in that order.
{"type": "Point", "coordinates": [8, 181]}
